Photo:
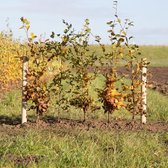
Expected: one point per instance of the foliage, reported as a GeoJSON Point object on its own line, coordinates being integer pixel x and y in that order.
{"type": "Point", "coordinates": [64, 66]}
{"type": "Point", "coordinates": [133, 90]}
{"type": "Point", "coordinates": [10, 63]}
{"type": "Point", "coordinates": [72, 52]}
{"type": "Point", "coordinates": [112, 98]}
{"type": "Point", "coordinates": [59, 47]}
{"type": "Point", "coordinates": [81, 60]}
{"type": "Point", "coordinates": [121, 51]}
{"type": "Point", "coordinates": [36, 90]}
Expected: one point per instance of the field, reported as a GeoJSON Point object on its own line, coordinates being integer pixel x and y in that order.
{"type": "Point", "coordinates": [69, 142]}
{"type": "Point", "coordinates": [157, 55]}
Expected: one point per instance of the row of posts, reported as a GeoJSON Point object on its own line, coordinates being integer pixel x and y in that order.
{"type": "Point", "coordinates": [143, 89]}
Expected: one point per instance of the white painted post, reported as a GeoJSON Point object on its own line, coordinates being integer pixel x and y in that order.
{"type": "Point", "coordinates": [144, 90]}
{"type": "Point", "coordinates": [24, 84]}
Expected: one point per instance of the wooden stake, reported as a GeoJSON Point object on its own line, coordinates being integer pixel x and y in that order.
{"type": "Point", "coordinates": [24, 85]}
{"type": "Point", "coordinates": [144, 90]}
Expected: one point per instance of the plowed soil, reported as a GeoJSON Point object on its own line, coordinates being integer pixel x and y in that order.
{"type": "Point", "coordinates": [159, 79]}
{"type": "Point", "coordinates": [11, 127]}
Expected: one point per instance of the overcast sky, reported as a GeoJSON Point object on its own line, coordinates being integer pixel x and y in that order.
{"type": "Point", "coordinates": [149, 16]}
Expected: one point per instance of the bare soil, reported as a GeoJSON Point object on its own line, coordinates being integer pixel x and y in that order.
{"type": "Point", "coordinates": [157, 77]}
{"type": "Point", "coordinates": [13, 126]}
{"type": "Point", "coordinates": [24, 160]}
{"type": "Point", "coordinates": [159, 80]}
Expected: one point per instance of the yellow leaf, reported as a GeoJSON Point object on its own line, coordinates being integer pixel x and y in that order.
{"type": "Point", "coordinates": [32, 36]}
{"type": "Point", "coordinates": [27, 26]}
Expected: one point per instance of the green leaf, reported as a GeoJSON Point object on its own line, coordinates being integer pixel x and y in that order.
{"type": "Point", "coordinates": [52, 35]}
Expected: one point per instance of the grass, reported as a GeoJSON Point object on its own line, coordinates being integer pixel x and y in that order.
{"type": "Point", "coordinates": [10, 106]}
{"type": "Point", "coordinates": [74, 147]}
{"type": "Point", "coordinates": [157, 106]}
{"type": "Point", "coordinates": [77, 148]}
{"type": "Point", "coordinates": [85, 149]}
{"type": "Point", "coordinates": [156, 55]}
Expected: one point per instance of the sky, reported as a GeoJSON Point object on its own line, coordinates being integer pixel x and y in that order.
{"type": "Point", "coordinates": [149, 17]}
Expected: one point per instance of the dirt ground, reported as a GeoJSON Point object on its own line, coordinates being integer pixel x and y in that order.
{"type": "Point", "coordinates": [12, 126]}
{"type": "Point", "coordinates": [159, 79]}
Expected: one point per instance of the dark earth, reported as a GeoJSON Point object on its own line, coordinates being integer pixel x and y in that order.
{"type": "Point", "coordinates": [48, 122]}
{"type": "Point", "coordinates": [157, 79]}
